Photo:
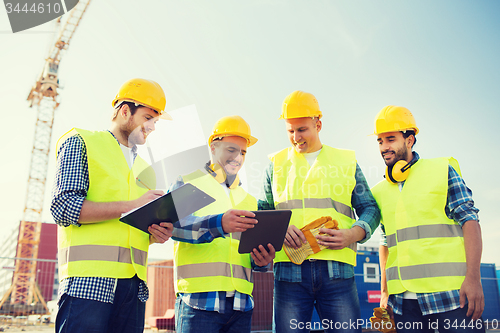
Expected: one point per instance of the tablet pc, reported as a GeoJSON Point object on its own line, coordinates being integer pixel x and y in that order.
{"type": "Point", "coordinates": [271, 228]}
{"type": "Point", "coordinates": [170, 207]}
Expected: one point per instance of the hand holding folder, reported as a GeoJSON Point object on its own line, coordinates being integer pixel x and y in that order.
{"type": "Point", "coordinates": [170, 207]}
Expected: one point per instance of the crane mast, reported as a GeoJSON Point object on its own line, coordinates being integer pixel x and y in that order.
{"type": "Point", "coordinates": [44, 95]}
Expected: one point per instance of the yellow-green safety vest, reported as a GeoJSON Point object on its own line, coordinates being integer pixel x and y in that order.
{"type": "Point", "coordinates": [214, 266]}
{"type": "Point", "coordinates": [426, 248]}
{"type": "Point", "coordinates": [108, 248]}
{"type": "Point", "coordinates": [323, 189]}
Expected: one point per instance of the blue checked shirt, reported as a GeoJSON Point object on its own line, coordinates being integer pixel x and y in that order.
{"type": "Point", "coordinates": [365, 207]}
{"type": "Point", "coordinates": [70, 189]}
{"type": "Point", "coordinates": [460, 208]}
{"type": "Point", "coordinates": [213, 300]}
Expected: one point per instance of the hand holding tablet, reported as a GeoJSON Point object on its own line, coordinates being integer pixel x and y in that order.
{"type": "Point", "coordinates": [261, 257]}
{"type": "Point", "coordinates": [236, 220]}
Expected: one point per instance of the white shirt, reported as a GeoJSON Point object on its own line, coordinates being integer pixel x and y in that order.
{"type": "Point", "coordinates": [129, 154]}
{"type": "Point", "coordinates": [311, 157]}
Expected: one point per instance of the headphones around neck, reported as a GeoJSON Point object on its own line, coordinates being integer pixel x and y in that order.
{"type": "Point", "coordinates": [399, 171]}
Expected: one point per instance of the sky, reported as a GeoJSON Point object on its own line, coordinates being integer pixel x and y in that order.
{"type": "Point", "coordinates": [437, 58]}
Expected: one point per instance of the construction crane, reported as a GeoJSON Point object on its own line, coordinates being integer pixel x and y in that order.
{"type": "Point", "coordinates": [24, 292]}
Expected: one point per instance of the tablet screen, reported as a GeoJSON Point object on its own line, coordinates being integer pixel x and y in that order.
{"type": "Point", "coordinates": [271, 228]}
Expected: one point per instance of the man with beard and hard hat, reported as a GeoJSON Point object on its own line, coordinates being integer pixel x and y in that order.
{"type": "Point", "coordinates": [431, 247]}
{"type": "Point", "coordinates": [317, 181]}
{"type": "Point", "coordinates": [214, 282]}
{"type": "Point", "coordinates": [102, 262]}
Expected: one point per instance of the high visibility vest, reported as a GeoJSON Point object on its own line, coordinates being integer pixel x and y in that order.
{"type": "Point", "coordinates": [108, 248]}
{"type": "Point", "coordinates": [215, 266]}
{"type": "Point", "coordinates": [323, 189]}
{"type": "Point", "coordinates": [426, 248]}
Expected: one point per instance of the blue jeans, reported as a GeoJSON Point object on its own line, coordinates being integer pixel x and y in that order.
{"type": "Point", "coordinates": [336, 301]}
{"type": "Point", "coordinates": [190, 320]}
{"type": "Point", "coordinates": [412, 320]}
{"type": "Point", "coordinates": [124, 315]}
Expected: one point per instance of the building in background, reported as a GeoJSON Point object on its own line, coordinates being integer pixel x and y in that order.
{"type": "Point", "coordinates": [498, 277]}
{"type": "Point", "coordinates": [46, 271]}
{"type": "Point", "coordinates": [47, 278]}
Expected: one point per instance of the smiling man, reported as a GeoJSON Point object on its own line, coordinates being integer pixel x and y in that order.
{"type": "Point", "coordinates": [214, 282]}
{"type": "Point", "coordinates": [229, 154]}
{"type": "Point", "coordinates": [315, 180]}
{"type": "Point", "coordinates": [431, 248]}
{"type": "Point", "coordinates": [102, 262]}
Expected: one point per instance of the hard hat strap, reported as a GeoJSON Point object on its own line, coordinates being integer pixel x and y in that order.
{"type": "Point", "coordinates": [120, 103]}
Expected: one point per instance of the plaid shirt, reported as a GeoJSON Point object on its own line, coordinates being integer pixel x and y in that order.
{"type": "Point", "coordinates": [363, 203]}
{"type": "Point", "coordinates": [70, 189]}
{"type": "Point", "coordinates": [212, 300]}
{"type": "Point", "coordinates": [460, 208]}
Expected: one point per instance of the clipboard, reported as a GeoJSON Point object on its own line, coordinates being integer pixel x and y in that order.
{"type": "Point", "coordinates": [271, 228]}
{"type": "Point", "coordinates": [170, 207]}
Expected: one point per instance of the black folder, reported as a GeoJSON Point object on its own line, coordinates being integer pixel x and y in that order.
{"type": "Point", "coordinates": [170, 207]}
{"type": "Point", "coordinates": [271, 228]}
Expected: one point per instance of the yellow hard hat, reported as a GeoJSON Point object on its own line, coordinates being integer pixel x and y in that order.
{"type": "Point", "coordinates": [144, 92]}
{"type": "Point", "coordinates": [300, 104]}
{"type": "Point", "coordinates": [232, 126]}
{"type": "Point", "coordinates": [394, 119]}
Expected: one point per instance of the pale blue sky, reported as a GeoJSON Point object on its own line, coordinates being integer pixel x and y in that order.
{"type": "Point", "coordinates": [437, 58]}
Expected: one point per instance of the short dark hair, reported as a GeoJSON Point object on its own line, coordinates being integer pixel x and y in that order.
{"type": "Point", "coordinates": [133, 109]}
{"type": "Point", "coordinates": [407, 133]}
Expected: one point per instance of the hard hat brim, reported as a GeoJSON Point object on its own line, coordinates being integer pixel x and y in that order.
{"type": "Point", "coordinates": [165, 116]}
{"type": "Point", "coordinates": [415, 129]}
{"type": "Point", "coordinates": [319, 117]}
{"type": "Point", "coordinates": [250, 139]}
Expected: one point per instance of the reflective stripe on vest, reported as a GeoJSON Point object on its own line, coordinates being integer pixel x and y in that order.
{"type": "Point", "coordinates": [425, 231]}
{"type": "Point", "coordinates": [323, 189]}
{"type": "Point", "coordinates": [103, 253]}
{"type": "Point", "coordinates": [427, 271]}
{"type": "Point", "coordinates": [426, 248]}
{"type": "Point", "coordinates": [108, 248]}
{"type": "Point", "coordinates": [214, 269]}
{"type": "Point", "coordinates": [214, 266]}
{"type": "Point", "coordinates": [320, 203]}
